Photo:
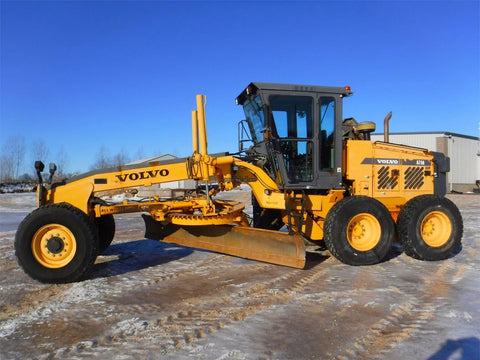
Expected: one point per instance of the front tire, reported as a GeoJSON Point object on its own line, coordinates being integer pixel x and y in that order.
{"type": "Point", "coordinates": [359, 230]}
{"type": "Point", "coordinates": [430, 228]}
{"type": "Point", "coordinates": [56, 243]}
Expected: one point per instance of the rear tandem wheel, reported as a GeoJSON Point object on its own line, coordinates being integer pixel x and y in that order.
{"type": "Point", "coordinates": [56, 243]}
{"type": "Point", "coordinates": [430, 228]}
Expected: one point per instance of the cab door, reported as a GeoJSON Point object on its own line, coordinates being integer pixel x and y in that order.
{"type": "Point", "coordinates": [329, 170]}
{"type": "Point", "coordinates": [305, 139]}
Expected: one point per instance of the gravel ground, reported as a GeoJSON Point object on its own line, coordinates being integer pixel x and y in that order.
{"type": "Point", "coordinates": [149, 300]}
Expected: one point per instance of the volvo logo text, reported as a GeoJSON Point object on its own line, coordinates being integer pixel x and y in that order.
{"type": "Point", "coordinates": [142, 175]}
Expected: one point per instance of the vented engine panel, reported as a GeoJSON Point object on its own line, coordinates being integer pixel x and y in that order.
{"type": "Point", "coordinates": [385, 170]}
{"type": "Point", "coordinates": [388, 179]}
{"type": "Point", "coordinates": [414, 177]}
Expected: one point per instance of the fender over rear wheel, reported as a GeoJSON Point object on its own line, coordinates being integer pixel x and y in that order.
{"type": "Point", "coordinates": [430, 228]}
{"type": "Point", "coordinates": [359, 230]}
{"type": "Point", "coordinates": [56, 243]}
{"type": "Point", "coordinates": [106, 228]}
{"type": "Point", "coordinates": [106, 231]}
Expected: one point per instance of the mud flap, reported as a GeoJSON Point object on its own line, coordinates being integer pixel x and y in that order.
{"type": "Point", "coordinates": [250, 243]}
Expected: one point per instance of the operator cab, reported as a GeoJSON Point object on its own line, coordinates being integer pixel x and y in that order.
{"type": "Point", "coordinates": [296, 133]}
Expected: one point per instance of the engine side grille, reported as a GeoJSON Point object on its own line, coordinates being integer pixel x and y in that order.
{"type": "Point", "coordinates": [414, 177]}
{"type": "Point", "coordinates": [385, 180]}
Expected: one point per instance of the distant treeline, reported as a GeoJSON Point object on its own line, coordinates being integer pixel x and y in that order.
{"type": "Point", "coordinates": [17, 159]}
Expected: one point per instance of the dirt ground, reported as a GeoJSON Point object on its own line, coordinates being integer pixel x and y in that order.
{"type": "Point", "coordinates": [149, 300]}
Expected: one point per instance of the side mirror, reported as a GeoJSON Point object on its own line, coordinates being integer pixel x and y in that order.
{"type": "Point", "coordinates": [53, 168]}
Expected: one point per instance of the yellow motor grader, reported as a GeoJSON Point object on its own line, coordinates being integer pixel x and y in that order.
{"type": "Point", "coordinates": [310, 171]}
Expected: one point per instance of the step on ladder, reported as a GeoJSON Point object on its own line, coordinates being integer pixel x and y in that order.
{"type": "Point", "coordinates": [291, 204]}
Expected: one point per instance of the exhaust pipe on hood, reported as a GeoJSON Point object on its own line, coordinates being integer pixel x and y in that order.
{"type": "Point", "coordinates": [385, 126]}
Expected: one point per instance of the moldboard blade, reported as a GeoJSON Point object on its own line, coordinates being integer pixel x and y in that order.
{"type": "Point", "coordinates": [250, 243]}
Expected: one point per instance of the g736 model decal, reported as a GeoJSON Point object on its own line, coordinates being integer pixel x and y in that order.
{"type": "Point", "coordinates": [385, 161]}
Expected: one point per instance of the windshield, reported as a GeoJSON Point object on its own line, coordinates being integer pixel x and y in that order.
{"type": "Point", "coordinates": [255, 118]}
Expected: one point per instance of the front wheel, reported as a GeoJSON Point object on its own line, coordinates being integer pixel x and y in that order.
{"type": "Point", "coordinates": [430, 228]}
{"type": "Point", "coordinates": [56, 243]}
{"type": "Point", "coordinates": [359, 230]}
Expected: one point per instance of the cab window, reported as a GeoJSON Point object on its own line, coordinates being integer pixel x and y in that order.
{"type": "Point", "coordinates": [292, 116]}
{"type": "Point", "coordinates": [327, 131]}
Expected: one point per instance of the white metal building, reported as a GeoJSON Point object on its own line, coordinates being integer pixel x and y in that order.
{"type": "Point", "coordinates": [463, 150]}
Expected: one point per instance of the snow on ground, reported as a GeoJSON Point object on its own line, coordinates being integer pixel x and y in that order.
{"type": "Point", "coordinates": [149, 300]}
{"type": "Point", "coordinates": [8, 188]}
{"type": "Point", "coordinates": [13, 208]}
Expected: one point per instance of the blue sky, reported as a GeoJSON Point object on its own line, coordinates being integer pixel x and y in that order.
{"type": "Point", "coordinates": [124, 74]}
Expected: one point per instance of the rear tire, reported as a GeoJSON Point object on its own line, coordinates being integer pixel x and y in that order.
{"type": "Point", "coordinates": [430, 228]}
{"type": "Point", "coordinates": [359, 230]}
{"type": "Point", "coordinates": [56, 243]}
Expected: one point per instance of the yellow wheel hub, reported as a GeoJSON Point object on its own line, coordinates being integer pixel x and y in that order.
{"type": "Point", "coordinates": [436, 229]}
{"type": "Point", "coordinates": [54, 246]}
{"type": "Point", "coordinates": [363, 232]}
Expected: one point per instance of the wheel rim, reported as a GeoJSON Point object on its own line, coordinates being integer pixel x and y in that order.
{"type": "Point", "coordinates": [436, 229]}
{"type": "Point", "coordinates": [54, 246]}
{"type": "Point", "coordinates": [363, 232]}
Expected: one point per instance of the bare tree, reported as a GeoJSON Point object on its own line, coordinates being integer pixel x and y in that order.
{"type": "Point", "coordinates": [102, 159]}
{"type": "Point", "coordinates": [61, 161]}
{"type": "Point", "coordinates": [40, 150]}
{"type": "Point", "coordinates": [120, 159]}
{"type": "Point", "coordinates": [13, 153]}
{"type": "Point", "coordinates": [6, 167]}
{"type": "Point", "coordinates": [140, 154]}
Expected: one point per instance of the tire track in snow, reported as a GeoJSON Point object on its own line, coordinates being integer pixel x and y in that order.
{"type": "Point", "coordinates": [176, 330]}
{"type": "Point", "coordinates": [411, 317]}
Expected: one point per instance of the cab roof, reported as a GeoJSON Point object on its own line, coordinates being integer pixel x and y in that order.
{"type": "Point", "coordinates": [254, 87]}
